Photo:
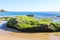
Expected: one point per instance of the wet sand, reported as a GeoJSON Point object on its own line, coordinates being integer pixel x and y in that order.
{"type": "Point", "coordinates": [9, 34]}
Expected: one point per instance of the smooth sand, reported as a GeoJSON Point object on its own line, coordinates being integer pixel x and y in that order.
{"type": "Point", "coordinates": [23, 36]}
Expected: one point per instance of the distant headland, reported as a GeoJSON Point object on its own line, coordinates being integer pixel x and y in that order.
{"type": "Point", "coordinates": [1, 10]}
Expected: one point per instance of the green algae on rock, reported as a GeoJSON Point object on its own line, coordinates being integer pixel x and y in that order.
{"type": "Point", "coordinates": [30, 24]}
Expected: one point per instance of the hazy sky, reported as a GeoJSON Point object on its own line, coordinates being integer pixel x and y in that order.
{"type": "Point", "coordinates": [30, 5]}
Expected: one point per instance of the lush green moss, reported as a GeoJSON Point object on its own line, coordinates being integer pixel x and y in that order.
{"type": "Point", "coordinates": [23, 22]}
{"type": "Point", "coordinates": [45, 20]}
{"type": "Point", "coordinates": [57, 26]}
{"type": "Point", "coordinates": [5, 18]}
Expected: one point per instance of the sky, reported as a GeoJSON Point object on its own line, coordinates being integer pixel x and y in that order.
{"type": "Point", "coordinates": [30, 5]}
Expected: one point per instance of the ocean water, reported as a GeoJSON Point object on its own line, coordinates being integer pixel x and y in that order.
{"type": "Point", "coordinates": [30, 13]}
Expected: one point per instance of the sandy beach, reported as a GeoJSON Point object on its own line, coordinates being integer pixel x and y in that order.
{"type": "Point", "coordinates": [6, 34]}
{"type": "Point", "coordinates": [23, 36]}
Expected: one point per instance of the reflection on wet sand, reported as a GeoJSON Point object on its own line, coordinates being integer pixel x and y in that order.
{"type": "Point", "coordinates": [12, 34]}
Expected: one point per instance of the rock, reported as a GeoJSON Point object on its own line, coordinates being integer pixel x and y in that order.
{"type": "Point", "coordinates": [30, 24]}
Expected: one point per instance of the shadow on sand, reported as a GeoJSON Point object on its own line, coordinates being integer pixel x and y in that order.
{"type": "Point", "coordinates": [4, 27]}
